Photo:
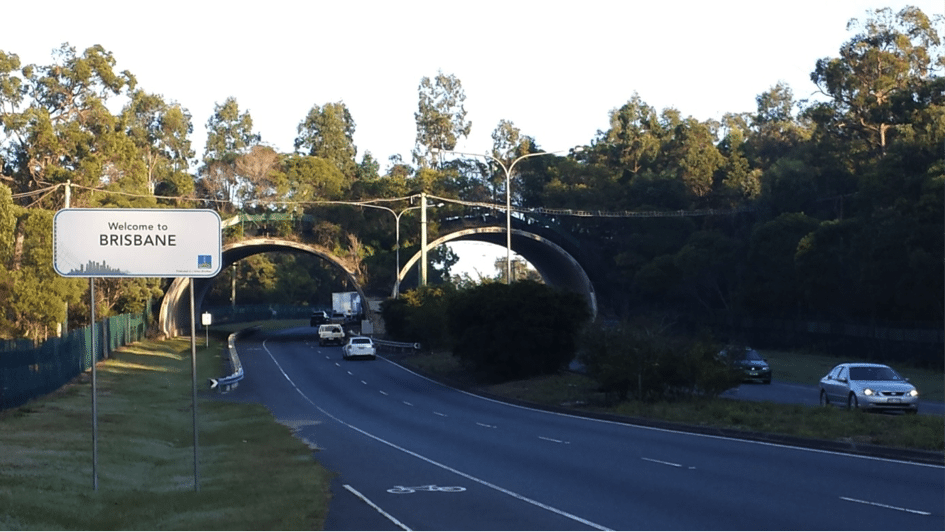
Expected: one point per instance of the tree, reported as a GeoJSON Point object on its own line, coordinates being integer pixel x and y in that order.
{"type": "Point", "coordinates": [328, 132]}
{"type": "Point", "coordinates": [229, 134]}
{"type": "Point", "coordinates": [160, 131]}
{"type": "Point", "coordinates": [516, 331]}
{"type": "Point", "coordinates": [771, 286]}
{"type": "Point", "coordinates": [60, 128]}
{"type": "Point", "coordinates": [878, 68]}
{"type": "Point", "coordinates": [228, 131]}
{"type": "Point", "coordinates": [441, 117]}
{"type": "Point", "coordinates": [635, 136]}
{"type": "Point", "coordinates": [775, 132]}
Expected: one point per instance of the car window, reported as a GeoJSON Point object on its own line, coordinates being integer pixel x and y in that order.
{"type": "Point", "coordinates": [360, 341]}
{"type": "Point", "coordinates": [874, 374]}
{"type": "Point", "coordinates": [842, 374]}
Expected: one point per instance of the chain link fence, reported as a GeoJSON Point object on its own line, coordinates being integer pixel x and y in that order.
{"type": "Point", "coordinates": [28, 370]}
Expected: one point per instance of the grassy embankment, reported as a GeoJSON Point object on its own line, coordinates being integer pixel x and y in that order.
{"type": "Point", "coordinates": [253, 474]}
{"type": "Point", "coordinates": [580, 392]}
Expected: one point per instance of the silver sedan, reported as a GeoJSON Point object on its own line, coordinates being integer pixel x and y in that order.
{"type": "Point", "coordinates": [868, 387]}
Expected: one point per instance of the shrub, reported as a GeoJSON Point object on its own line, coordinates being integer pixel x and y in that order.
{"type": "Point", "coordinates": [505, 332]}
{"type": "Point", "coordinates": [419, 316]}
{"type": "Point", "coordinates": [649, 361]}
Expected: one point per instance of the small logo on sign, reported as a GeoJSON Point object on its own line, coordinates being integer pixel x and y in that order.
{"type": "Point", "coordinates": [204, 262]}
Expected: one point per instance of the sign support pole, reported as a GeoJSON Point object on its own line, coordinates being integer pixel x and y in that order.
{"type": "Point", "coordinates": [94, 390]}
{"type": "Point", "coordinates": [193, 375]}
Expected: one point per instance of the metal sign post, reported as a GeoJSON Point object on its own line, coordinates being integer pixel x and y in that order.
{"type": "Point", "coordinates": [205, 320]}
{"type": "Point", "coordinates": [138, 243]}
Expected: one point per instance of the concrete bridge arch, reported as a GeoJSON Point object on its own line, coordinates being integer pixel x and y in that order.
{"type": "Point", "coordinates": [556, 266]}
{"type": "Point", "coordinates": [174, 317]}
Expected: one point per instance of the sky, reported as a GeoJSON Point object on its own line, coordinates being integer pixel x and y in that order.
{"type": "Point", "coordinates": [554, 69]}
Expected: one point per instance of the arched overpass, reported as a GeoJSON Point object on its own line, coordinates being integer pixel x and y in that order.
{"type": "Point", "coordinates": [556, 266]}
{"type": "Point", "coordinates": [174, 317]}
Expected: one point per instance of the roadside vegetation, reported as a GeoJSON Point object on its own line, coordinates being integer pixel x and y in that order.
{"type": "Point", "coordinates": [145, 454]}
{"type": "Point", "coordinates": [582, 393]}
{"type": "Point", "coordinates": [649, 367]}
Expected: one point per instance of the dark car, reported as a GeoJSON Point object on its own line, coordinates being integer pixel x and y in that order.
{"type": "Point", "coordinates": [750, 363]}
{"type": "Point", "coordinates": [319, 317]}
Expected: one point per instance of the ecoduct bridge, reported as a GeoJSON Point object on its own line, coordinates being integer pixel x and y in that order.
{"type": "Point", "coordinates": [556, 266]}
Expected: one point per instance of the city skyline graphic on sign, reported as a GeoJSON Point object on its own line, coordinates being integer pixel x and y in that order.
{"type": "Point", "coordinates": [95, 267]}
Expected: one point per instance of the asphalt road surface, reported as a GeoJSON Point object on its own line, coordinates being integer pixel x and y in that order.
{"type": "Point", "coordinates": [413, 454]}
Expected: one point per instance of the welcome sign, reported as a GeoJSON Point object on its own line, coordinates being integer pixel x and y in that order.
{"type": "Point", "coordinates": [137, 243]}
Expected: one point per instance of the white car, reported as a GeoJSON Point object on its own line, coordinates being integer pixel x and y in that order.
{"type": "Point", "coordinates": [868, 387]}
{"type": "Point", "coordinates": [359, 347]}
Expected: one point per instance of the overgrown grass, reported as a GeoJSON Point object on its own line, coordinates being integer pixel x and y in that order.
{"type": "Point", "coordinates": [146, 457]}
{"type": "Point", "coordinates": [578, 391]}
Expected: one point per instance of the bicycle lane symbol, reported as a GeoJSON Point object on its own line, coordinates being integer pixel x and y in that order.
{"type": "Point", "coordinates": [429, 487]}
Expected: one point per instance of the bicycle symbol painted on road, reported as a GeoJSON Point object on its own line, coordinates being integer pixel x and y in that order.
{"type": "Point", "coordinates": [430, 487]}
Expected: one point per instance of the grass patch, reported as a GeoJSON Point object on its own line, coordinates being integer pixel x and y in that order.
{"type": "Point", "coordinates": [145, 455]}
{"type": "Point", "coordinates": [580, 392]}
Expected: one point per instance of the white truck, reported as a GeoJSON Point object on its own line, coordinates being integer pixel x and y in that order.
{"type": "Point", "coordinates": [347, 303]}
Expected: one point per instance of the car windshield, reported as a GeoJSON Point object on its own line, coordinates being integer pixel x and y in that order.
{"type": "Point", "coordinates": [360, 341]}
{"type": "Point", "coordinates": [753, 355]}
{"type": "Point", "coordinates": [873, 373]}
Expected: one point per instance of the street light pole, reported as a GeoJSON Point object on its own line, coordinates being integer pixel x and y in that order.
{"type": "Point", "coordinates": [508, 195]}
{"type": "Point", "coordinates": [397, 215]}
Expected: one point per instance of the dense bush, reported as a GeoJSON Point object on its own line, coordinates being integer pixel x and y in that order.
{"type": "Point", "coordinates": [419, 316]}
{"type": "Point", "coordinates": [505, 332]}
{"type": "Point", "coordinates": [649, 361]}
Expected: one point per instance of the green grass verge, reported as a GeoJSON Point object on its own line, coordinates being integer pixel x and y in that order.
{"type": "Point", "coordinates": [253, 474]}
{"type": "Point", "coordinates": [572, 390]}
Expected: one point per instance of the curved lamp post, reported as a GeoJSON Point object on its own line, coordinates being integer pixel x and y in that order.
{"type": "Point", "coordinates": [508, 195]}
{"type": "Point", "coordinates": [397, 215]}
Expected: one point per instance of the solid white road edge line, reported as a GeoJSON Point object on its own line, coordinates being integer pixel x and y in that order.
{"type": "Point", "coordinates": [376, 507]}
{"type": "Point", "coordinates": [881, 505]}
{"type": "Point", "coordinates": [433, 462]}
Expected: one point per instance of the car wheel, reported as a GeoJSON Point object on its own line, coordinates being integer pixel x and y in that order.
{"type": "Point", "coordinates": [824, 400]}
{"type": "Point", "coordinates": [852, 403]}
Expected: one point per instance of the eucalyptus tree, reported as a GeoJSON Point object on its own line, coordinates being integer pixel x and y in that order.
{"type": "Point", "coordinates": [877, 74]}
{"type": "Point", "coordinates": [634, 138]}
{"type": "Point", "coordinates": [328, 132]}
{"type": "Point", "coordinates": [59, 129]}
{"type": "Point", "coordinates": [161, 132]}
{"type": "Point", "coordinates": [775, 129]}
{"type": "Point", "coordinates": [440, 117]}
{"type": "Point", "coordinates": [229, 135]}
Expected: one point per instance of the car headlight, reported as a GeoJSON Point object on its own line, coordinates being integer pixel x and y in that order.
{"type": "Point", "coordinates": [913, 393]}
{"type": "Point", "coordinates": [868, 392]}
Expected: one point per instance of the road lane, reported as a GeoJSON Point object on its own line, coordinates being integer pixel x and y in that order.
{"type": "Point", "coordinates": [381, 426]}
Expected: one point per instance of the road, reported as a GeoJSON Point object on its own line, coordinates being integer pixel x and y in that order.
{"type": "Point", "coordinates": [414, 454]}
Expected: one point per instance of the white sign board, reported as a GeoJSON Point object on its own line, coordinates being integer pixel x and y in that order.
{"type": "Point", "coordinates": [137, 243]}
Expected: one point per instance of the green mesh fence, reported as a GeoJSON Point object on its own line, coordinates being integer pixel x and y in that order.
{"type": "Point", "coordinates": [27, 372]}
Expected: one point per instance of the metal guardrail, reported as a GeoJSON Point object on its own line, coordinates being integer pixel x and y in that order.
{"type": "Point", "coordinates": [229, 382]}
{"type": "Point", "coordinates": [397, 346]}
